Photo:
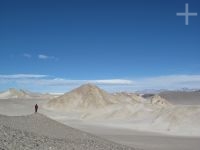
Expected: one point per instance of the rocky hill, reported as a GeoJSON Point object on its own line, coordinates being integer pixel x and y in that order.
{"type": "Point", "coordinates": [85, 97]}
{"type": "Point", "coordinates": [13, 93]}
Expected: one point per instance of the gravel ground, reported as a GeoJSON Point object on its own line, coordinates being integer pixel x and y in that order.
{"type": "Point", "coordinates": [37, 132]}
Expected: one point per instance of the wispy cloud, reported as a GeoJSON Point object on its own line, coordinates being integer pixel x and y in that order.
{"type": "Point", "coordinates": [61, 84]}
{"type": "Point", "coordinates": [65, 82]}
{"type": "Point", "coordinates": [45, 57]}
{"type": "Point", "coordinates": [26, 55]}
{"type": "Point", "coordinates": [114, 82]}
{"type": "Point", "coordinates": [22, 76]}
{"type": "Point", "coordinates": [169, 82]}
{"type": "Point", "coordinates": [47, 80]}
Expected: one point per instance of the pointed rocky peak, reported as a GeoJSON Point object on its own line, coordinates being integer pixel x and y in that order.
{"type": "Point", "coordinates": [88, 88]}
{"type": "Point", "coordinates": [84, 97]}
{"type": "Point", "coordinates": [88, 85]}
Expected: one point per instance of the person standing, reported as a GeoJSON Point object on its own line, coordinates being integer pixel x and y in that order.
{"type": "Point", "coordinates": [36, 108]}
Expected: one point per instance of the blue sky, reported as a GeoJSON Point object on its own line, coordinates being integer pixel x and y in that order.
{"type": "Point", "coordinates": [117, 44]}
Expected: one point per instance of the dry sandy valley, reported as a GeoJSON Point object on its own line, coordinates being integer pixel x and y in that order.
{"type": "Point", "coordinates": [99, 75]}
{"type": "Point", "coordinates": [149, 123]}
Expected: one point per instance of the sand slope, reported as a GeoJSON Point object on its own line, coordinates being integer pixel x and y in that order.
{"type": "Point", "coordinates": [83, 98]}
{"type": "Point", "coordinates": [39, 132]}
{"type": "Point", "coordinates": [182, 97]}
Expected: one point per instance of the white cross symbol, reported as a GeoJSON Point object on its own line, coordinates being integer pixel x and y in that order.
{"type": "Point", "coordinates": [186, 14]}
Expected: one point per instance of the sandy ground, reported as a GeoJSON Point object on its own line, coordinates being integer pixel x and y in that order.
{"type": "Point", "coordinates": [182, 97]}
{"type": "Point", "coordinates": [144, 140]}
{"type": "Point", "coordinates": [36, 131]}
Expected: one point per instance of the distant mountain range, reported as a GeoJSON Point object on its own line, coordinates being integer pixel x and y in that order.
{"type": "Point", "coordinates": [156, 91]}
{"type": "Point", "coordinates": [138, 111]}
{"type": "Point", "coordinates": [175, 111]}
{"type": "Point", "coordinates": [17, 94]}
{"type": "Point", "coordinates": [90, 96]}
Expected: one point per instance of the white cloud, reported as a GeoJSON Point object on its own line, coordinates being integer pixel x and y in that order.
{"type": "Point", "coordinates": [45, 57]}
{"type": "Point", "coordinates": [65, 82]}
{"type": "Point", "coordinates": [113, 82]}
{"type": "Point", "coordinates": [41, 56]}
{"type": "Point", "coordinates": [169, 82]}
{"type": "Point", "coordinates": [22, 76]}
{"type": "Point", "coordinates": [27, 55]}
{"type": "Point", "coordinates": [55, 84]}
